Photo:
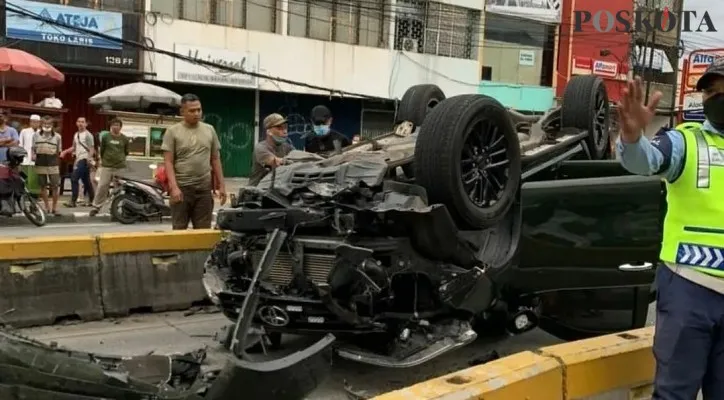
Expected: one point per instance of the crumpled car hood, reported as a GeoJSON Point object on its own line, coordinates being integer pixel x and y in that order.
{"type": "Point", "coordinates": [340, 171]}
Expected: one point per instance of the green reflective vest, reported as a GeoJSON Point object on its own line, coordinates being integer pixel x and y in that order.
{"type": "Point", "coordinates": [694, 224]}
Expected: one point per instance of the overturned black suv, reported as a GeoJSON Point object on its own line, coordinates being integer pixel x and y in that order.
{"type": "Point", "coordinates": [467, 219]}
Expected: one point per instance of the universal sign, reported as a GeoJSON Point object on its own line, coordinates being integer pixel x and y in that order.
{"type": "Point", "coordinates": [643, 21]}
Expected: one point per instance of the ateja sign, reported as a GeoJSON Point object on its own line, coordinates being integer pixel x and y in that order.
{"type": "Point", "coordinates": [643, 21]}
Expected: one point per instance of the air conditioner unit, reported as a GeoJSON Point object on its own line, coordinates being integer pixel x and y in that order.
{"type": "Point", "coordinates": [409, 44]}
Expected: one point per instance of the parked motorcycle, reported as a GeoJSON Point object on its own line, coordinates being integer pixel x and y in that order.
{"type": "Point", "coordinates": [136, 200]}
{"type": "Point", "coordinates": [14, 195]}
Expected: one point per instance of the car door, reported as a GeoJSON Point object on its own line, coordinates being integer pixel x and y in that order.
{"type": "Point", "coordinates": [590, 241]}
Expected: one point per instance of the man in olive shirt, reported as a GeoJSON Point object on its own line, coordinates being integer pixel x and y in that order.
{"type": "Point", "coordinates": [191, 155]}
{"type": "Point", "coordinates": [113, 150]}
{"type": "Point", "coordinates": [269, 153]}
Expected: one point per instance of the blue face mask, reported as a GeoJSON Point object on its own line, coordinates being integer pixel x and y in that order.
{"type": "Point", "coordinates": [279, 139]}
{"type": "Point", "coordinates": [321, 130]}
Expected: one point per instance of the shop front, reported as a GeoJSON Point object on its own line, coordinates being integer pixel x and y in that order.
{"type": "Point", "coordinates": [228, 99]}
{"type": "Point", "coordinates": [90, 64]}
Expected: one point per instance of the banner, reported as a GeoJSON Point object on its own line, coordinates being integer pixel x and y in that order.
{"type": "Point", "coordinates": [27, 28]}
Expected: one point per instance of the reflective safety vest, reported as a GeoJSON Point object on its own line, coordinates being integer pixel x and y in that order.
{"type": "Point", "coordinates": [694, 224]}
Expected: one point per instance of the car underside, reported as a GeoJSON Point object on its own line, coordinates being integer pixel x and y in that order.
{"type": "Point", "coordinates": [398, 245]}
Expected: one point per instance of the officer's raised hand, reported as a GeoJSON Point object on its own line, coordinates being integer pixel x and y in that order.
{"type": "Point", "coordinates": [633, 114]}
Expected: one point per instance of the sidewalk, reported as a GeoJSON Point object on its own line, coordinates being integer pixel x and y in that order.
{"type": "Point", "coordinates": [81, 214]}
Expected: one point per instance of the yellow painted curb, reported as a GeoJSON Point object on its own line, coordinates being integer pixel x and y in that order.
{"type": "Point", "coordinates": [524, 375]}
{"type": "Point", "coordinates": [574, 370]}
{"type": "Point", "coordinates": [114, 243]}
{"type": "Point", "coordinates": [47, 247]}
{"type": "Point", "coordinates": [605, 363]}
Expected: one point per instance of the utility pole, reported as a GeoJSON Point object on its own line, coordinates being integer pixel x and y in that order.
{"type": "Point", "coordinates": [650, 46]}
{"type": "Point", "coordinates": [679, 14]}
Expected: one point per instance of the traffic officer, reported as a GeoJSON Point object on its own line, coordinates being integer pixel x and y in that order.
{"type": "Point", "coordinates": [689, 336]}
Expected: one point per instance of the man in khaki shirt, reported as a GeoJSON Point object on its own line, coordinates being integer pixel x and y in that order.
{"type": "Point", "coordinates": [191, 156]}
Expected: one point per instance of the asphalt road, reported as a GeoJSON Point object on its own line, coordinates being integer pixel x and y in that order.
{"type": "Point", "coordinates": [80, 229]}
{"type": "Point", "coordinates": [176, 332]}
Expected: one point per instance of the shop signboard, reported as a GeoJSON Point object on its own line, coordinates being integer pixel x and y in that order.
{"type": "Point", "coordinates": [698, 62]}
{"type": "Point", "coordinates": [693, 108]}
{"type": "Point", "coordinates": [24, 27]}
{"type": "Point", "coordinates": [194, 73]}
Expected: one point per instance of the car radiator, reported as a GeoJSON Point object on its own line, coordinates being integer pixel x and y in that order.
{"type": "Point", "coordinates": [316, 267]}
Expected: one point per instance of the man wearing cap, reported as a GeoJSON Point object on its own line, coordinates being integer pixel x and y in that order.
{"type": "Point", "coordinates": [270, 152]}
{"type": "Point", "coordinates": [689, 336]}
{"type": "Point", "coordinates": [26, 136]}
{"type": "Point", "coordinates": [323, 138]}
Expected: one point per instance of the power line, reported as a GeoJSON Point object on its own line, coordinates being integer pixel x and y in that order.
{"type": "Point", "coordinates": [29, 14]}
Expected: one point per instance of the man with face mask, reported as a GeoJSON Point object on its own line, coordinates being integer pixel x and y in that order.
{"type": "Point", "coordinates": [270, 152]}
{"type": "Point", "coordinates": [323, 136]}
{"type": "Point", "coordinates": [689, 336]}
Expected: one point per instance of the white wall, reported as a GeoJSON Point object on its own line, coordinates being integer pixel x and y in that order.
{"type": "Point", "coordinates": [366, 70]}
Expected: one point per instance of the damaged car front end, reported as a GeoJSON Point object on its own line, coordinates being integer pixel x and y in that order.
{"type": "Point", "coordinates": [363, 257]}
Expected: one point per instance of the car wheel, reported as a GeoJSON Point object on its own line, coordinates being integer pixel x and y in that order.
{"type": "Point", "coordinates": [467, 157]}
{"type": "Point", "coordinates": [417, 102]}
{"type": "Point", "coordinates": [585, 106]}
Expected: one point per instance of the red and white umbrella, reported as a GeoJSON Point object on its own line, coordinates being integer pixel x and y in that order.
{"type": "Point", "coordinates": [19, 69]}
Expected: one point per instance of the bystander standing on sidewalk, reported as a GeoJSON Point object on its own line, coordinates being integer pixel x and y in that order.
{"type": "Point", "coordinates": [8, 136]}
{"type": "Point", "coordinates": [191, 156]}
{"type": "Point", "coordinates": [84, 152]}
{"type": "Point", "coordinates": [113, 152]}
{"type": "Point", "coordinates": [26, 137]}
{"type": "Point", "coordinates": [47, 145]}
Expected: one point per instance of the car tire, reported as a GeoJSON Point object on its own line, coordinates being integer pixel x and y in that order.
{"type": "Point", "coordinates": [417, 102]}
{"type": "Point", "coordinates": [586, 107]}
{"type": "Point", "coordinates": [455, 129]}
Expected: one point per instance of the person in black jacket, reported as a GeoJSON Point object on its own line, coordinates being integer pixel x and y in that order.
{"type": "Point", "coordinates": [323, 138]}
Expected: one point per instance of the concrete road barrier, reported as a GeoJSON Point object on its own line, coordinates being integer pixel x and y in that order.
{"type": "Point", "coordinates": [50, 278]}
{"type": "Point", "coordinates": [618, 366]}
{"type": "Point", "coordinates": [159, 271]}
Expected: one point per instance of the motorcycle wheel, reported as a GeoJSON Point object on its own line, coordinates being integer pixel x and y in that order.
{"type": "Point", "coordinates": [32, 211]}
{"type": "Point", "coordinates": [118, 213]}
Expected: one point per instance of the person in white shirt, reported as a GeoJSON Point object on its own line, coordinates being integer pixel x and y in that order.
{"type": "Point", "coordinates": [26, 137]}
